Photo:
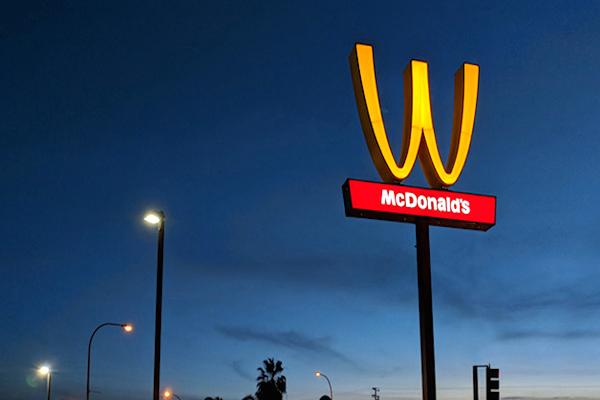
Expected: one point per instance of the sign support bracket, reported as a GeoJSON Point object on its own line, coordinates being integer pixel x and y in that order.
{"type": "Point", "coordinates": [425, 311]}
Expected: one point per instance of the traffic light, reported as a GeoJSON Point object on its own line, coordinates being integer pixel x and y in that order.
{"type": "Point", "coordinates": [492, 383]}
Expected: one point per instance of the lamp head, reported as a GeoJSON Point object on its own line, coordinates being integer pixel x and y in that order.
{"type": "Point", "coordinates": [318, 374]}
{"type": "Point", "coordinates": [154, 217]}
{"type": "Point", "coordinates": [167, 394]}
{"type": "Point", "coordinates": [127, 328]}
{"type": "Point", "coordinates": [44, 370]}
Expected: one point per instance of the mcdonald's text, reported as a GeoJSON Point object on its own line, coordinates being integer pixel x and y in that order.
{"type": "Point", "coordinates": [409, 204]}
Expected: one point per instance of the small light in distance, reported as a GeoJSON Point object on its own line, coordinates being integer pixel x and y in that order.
{"type": "Point", "coordinates": [44, 370]}
{"type": "Point", "coordinates": [318, 373]}
{"type": "Point", "coordinates": [127, 328]}
{"type": "Point", "coordinates": [167, 394]}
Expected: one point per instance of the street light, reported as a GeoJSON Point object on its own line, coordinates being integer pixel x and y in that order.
{"type": "Point", "coordinates": [158, 218]}
{"type": "Point", "coordinates": [168, 394]}
{"type": "Point", "coordinates": [152, 218]}
{"type": "Point", "coordinates": [126, 327]}
{"type": "Point", "coordinates": [45, 370]}
{"type": "Point", "coordinates": [320, 374]}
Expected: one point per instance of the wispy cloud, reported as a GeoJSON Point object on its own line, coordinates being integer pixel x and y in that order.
{"type": "Point", "coordinates": [290, 339]}
{"type": "Point", "coordinates": [541, 334]}
{"type": "Point", "coordinates": [241, 371]}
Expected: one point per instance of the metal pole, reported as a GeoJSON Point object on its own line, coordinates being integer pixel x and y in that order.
{"type": "Point", "coordinates": [49, 383]}
{"type": "Point", "coordinates": [425, 311]}
{"type": "Point", "coordinates": [475, 383]}
{"type": "Point", "coordinates": [158, 319]}
{"type": "Point", "coordinates": [89, 355]}
{"type": "Point", "coordinates": [329, 383]}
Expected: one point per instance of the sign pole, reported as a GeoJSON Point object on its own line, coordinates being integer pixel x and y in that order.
{"type": "Point", "coordinates": [425, 311]}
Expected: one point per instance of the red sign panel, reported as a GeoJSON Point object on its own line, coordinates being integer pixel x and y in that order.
{"type": "Point", "coordinates": [409, 204]}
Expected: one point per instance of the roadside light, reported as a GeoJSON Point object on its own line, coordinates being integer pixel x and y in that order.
{"type": "Point", "coordinates": [318, 374]}
{"type": "Point", "coordinates": [157, 218]}
{"type": "Point", "coordinates": [168, 394]}
{"type": "Point", "coordinates": [44, 370]}
{"type": "Point", "coordinates": [127, 327]}
{"type": "Point", "coordinates": [153, 218]}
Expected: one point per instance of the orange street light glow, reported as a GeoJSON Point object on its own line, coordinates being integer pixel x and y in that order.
{"type": "Point", "coordinates": [317, 374]}
{"type": "Point", "coordinates": [167, 394]}
{"type": "Point", "coordinates": [128, 328]}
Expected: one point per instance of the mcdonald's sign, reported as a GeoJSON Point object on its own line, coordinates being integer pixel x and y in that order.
{"type": "Point", "coordinates": [436, 205]}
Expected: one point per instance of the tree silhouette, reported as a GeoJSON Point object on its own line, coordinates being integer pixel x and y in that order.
{"type": "Point", "coordinates": [271, 383]}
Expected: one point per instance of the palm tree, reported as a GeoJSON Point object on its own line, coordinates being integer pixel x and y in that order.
{"type": "Point", "coordinates": [271, 383]}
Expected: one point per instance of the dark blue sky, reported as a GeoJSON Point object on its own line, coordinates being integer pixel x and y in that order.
{"type": "Point", "coordinates": [239, 121]}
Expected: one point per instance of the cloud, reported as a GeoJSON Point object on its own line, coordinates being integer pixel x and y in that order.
{"type": "Point", "coordinates": [241, 371]}
{"type": "Point", "coordinates": [472, 280]}
{"type": "Point", "coordinates": [541, 334]}
{"type": "Point", "coordinates": [503, 304]}
{"type": "Point", "coordinates": [292, 340]}
{"type": "Point", "coordinates": [374, 275]}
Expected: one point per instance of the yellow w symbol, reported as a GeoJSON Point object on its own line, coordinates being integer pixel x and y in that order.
{"type": "Point", "coordinates": [418, 138]}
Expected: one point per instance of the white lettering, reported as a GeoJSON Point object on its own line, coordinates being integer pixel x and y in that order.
{"type": "Point", "coordinates": [400, 199]}
{"type": "Point", "coordinates": [411, 200]}
{"type": "Point", "coordinates": [455, 206]}
{"type": "Point", "coordinates": [466, 207]}
{"type": "Point", "coordinates": [442, 204]}
{"type": "Point", "coordinates": [387, 197]}
{"type": "Point", "coordinates": [430, 203]}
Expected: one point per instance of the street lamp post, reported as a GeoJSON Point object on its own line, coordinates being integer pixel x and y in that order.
{"type": "Point", "coordinates": [158, 218]}
{"type": "Point", "coordinates": [45, 370]}
{"type": "Point", "coordinates": [319, 374]}
{"type": "Point", "coordinates": [168, 394]}
{"type": "Point", "coordinates": [126, 327]}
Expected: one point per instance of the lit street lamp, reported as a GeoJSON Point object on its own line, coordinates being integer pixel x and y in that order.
{"type": "Point", "coordinates": [168, 394]}
{"type": "Point", "coordinates": [320, 374]}
{"type": "Point", "coordinates": [44, 370]}
{"type": "Point", "coordinates": [126, 327]}
{"type": "Point", "coordinates": [158, 218]}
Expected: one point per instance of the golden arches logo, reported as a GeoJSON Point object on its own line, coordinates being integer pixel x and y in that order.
{"type": "Point", "coordinates": [418, 137]}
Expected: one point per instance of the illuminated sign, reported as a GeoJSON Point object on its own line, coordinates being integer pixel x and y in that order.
{"type": "Point", "coordinates": [424, 207]}
{"type": "Point", "coordinates": [391, 201]}
{"type": "Point", "coordinates": [418, 136]}
{"type": "Point", "coordinates": [406, 204]}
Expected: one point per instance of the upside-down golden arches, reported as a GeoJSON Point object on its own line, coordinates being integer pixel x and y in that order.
{"type": "Point", "coordinates": [418, 120]}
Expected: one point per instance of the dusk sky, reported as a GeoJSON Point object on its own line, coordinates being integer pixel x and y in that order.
{"type": "Point", "coordinates": [238, 119]}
